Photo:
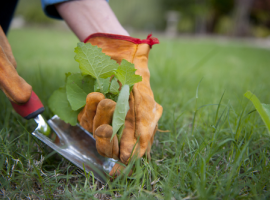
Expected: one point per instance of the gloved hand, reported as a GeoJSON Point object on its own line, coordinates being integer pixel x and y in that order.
{"type": "Point", "coordinates": [144, 113]}
{"type": "Point", "coordinates": [14, 86]}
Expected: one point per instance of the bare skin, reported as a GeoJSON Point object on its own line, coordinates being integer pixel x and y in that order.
{"type": "Point", "coordinates": [85, 17]}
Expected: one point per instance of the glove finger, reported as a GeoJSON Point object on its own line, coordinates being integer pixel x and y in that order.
{"type": "Point", "coordinates": [14, 86]}
{"type": "Point", "coordinates": [147, 112]}
{"type": "Point", "coordinates": [105, 146]}
{"type": "Point", "coordinates": [147, 130]}
{"type": "Point", "coordinates": [86, 116]}
{"type": "Point", "coordinates": [128, 139]}
{"type": "Point", "coordinates": [104, 113]}
{"type": "Point", "coordinates": [142, 127]}
{"type": "Point", "coordinates": [117, 170]}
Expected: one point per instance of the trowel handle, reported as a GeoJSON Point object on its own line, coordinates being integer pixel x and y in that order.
{"type": "Point", "coordinates": [31, 109]}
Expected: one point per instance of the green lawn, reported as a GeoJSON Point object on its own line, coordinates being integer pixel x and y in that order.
{"type": "Point", "coordinates": [210, 151]}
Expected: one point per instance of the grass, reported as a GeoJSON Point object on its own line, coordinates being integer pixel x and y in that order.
{"type": "Point", "coordinates": [216, 146]}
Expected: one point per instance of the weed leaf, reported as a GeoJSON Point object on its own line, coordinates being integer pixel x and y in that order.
{"type": "Point", "coordinates": [78, 87]}
{"type": "Point", "coordinates": [114, 88]}
{"type": "Point", "coordinates": [126, 74]}
{"type": "Point", "coordinates": [93, 62]}
{"type": "Point", "coordinates": [104, 85]}
{"type": "Point", "coordinates": [121, 110]}
{"type": "Point", "coordinates": [59, 105]}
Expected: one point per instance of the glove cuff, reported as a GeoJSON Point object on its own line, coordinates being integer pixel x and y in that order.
{"type": "Point", "coordinates": [149, 40]}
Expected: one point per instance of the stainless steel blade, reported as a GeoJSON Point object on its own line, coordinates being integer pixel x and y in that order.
{"type": "Point", "coordinates": [76, 145]}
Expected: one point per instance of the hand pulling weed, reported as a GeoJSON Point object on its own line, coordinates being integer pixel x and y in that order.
{"type": "Point", "coordinates": [99, 73]}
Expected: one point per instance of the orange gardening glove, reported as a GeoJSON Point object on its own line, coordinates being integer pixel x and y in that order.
{"type": "Point", "coordinates": [14, 86]}
{"type": "Point", "coordinates": [144, 113]}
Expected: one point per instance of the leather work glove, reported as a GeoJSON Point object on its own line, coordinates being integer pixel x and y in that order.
{"type": "Point", "coordinates": [14, 86]}
{"type": "Point", "coordinates": [144, 113]}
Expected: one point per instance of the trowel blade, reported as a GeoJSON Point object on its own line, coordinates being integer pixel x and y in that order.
{"type": "Point", "coordinates": [78, 146]}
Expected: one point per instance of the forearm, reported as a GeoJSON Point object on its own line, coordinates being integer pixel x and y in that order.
{"type": "Point", "coordinates": [85, 17]}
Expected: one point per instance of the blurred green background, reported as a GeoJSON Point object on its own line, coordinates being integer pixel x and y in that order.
{"type": "Point", "coordinates": [223, 17]}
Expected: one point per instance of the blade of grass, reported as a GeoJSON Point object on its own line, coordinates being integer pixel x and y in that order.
{"type": "Point", "coordinates": [219, 107]}
{"type": "Point", "coordinates": [263, 109]}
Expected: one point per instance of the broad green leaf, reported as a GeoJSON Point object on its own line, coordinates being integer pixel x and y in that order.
{"type": "Point", "coordinates": [93, 62]}
{"type": "Point", "coordinates": [114, 88]}
{"type": "Point", "coordinates": [104, 84]}
{"type": "Point", "coordinates": [263, 109]}
{"type": "Point", "coordinates": [60, 106]}
{"type": "Point", "coordinates": [121, 109]}
{"type": "Point", "coordinates": [126, 74]}
{"type": "Point", "coordinates": [266, 108]}
{"type": "Point", "coordinates": [78, 87]}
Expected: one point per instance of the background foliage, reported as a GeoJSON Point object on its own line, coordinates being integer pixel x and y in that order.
{"type": "Point", "coordinates": [196, 16]}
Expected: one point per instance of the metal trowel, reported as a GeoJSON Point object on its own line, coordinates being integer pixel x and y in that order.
{"type": "Point", "coordinates": [73, 142]}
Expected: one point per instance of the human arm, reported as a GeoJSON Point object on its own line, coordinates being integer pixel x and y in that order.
{"type": "Point", "coordinates": [86, 17]}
